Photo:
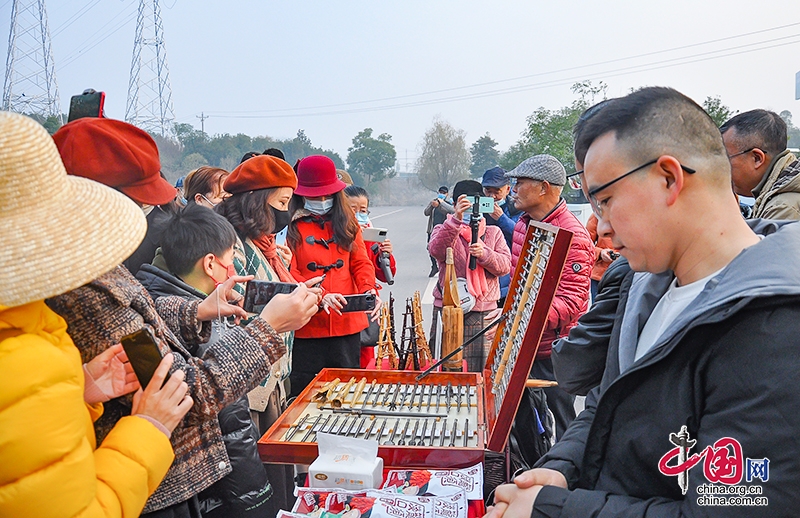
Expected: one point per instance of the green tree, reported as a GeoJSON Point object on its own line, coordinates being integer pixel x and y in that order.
{"type": "Point", "coordinates": [718, 111]}
{"type": "Point", "coordinates": [443, 157]}
{"type": "Point", "coordinates": [192, 162]}
{"type": "Point", "coordinates": [792, 131]}
{"type": "Point", "coordinates": [484, 155]}
{"type": "Point", "coordinates": [371, 159]}
{"type": "Point", "coordinates": [550, 131]}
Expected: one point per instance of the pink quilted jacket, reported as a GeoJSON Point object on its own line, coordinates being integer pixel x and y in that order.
{"type": "Point", "coordinates": [572, 296]}
{"type": "Point", "coordinates": [496, 259]}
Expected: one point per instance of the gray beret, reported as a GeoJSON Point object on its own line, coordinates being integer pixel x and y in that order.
{"type": "Point", "coordinates": [540, 167]}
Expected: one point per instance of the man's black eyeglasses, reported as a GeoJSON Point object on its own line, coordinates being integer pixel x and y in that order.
{"type": "Point", "coordinates": [592, 195]}
{"type": "Point", "coordinates": [741, 153]}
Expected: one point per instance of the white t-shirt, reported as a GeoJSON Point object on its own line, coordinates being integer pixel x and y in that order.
{"type": "Point", "coordinates": [672, 304]}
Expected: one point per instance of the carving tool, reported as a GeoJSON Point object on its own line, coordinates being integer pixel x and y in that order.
{"type": "Point", "coordinates": [458, 398]}
{"type": "Point", "coordinates": [422, 434]}
{"type": "Point", "coordinates": [360, 426]}
{"type": "Point", "coordinates": [433, 432]}
{"type": "Point", "coordinates": [330, 428]}
{"type": "Point", "coordinates": [290, 433]}
{"type": "Point", "coordinates": [350, 429]}
{"type": "Point", "coordinates": [444, 429]}
{"type": "Point", "coordinates": [368, 431]}
{"type": "Point", "coordinates": [466, 433]}
{"type": "Point", "coordinates": [343, 393]}
{"type": "Point", "coordinates": [453, 433]}
{"type": "Point", "coordinates": [430, 395]}
{"type": "Point", "coordinates": [380, 430]}
{"type": "Point", "coordinates": [392, 405]}
{"type": "Point", "coordinates": [402, 441]}
{"type": "Point", "coordinates": [469, 396]}
{"type": "Point", "coordinates": [448, 395]}
{"type": "Point", "coordinates": [321, 397]}
{"type": "Point", "coordinates": [438, 394]}
{"type": "Point", "coordinates": [413, 396]}
{"type": "Point", "coordinates": [390, 442]}
{"type": "Point", "coordinates": [308, 433]}
{"type": "Point", "coordinates": [413, 441]}
{"type": "Point", "coordinates": [405, 394]}
{"type": "Point", "coordinates": [359, 390]}
{"type": "Point", "coordinates": [388, 393]}
{"type": "Point", "coordinates": [369, 392]}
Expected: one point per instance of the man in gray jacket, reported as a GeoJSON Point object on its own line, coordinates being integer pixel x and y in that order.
{"type": "Point", "coordinates": [697, 412]}
{"type": "Point", "coordinates": [761, 166]}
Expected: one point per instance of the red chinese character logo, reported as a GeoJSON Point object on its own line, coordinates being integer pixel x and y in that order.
{"type": "Point", "coordinates": [723, 461]}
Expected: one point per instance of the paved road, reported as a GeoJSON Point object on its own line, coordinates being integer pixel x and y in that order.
{"type": "Point", "coordinates": [407, 226]}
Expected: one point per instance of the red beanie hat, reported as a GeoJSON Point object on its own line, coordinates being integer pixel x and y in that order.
{"type": "Point", "coordinates": [116, 154]}
{"type": "Point", "coordinates": [260, 172]}
{"type": "Point", "coordinates": [316, 176]}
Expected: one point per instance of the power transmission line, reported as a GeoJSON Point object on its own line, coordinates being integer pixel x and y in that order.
{"type": "Point", "coordinates": [668, 63]}
{"type": "Point", "coordinates": [529, 76]}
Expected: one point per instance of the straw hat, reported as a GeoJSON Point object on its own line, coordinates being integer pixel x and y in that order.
{"type": "Point", "coordinates": [58, 232]}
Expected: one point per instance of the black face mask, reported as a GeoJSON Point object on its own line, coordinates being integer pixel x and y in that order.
{"type": "Point", "coordinates": [281, 217]}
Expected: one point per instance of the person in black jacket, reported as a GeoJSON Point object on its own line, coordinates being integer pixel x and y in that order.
{"type": "Point", "coordinates": [698, 399]}
{"type": "Point", "coordinates": [580, 358]}
{"type": "Point", "coordinates": [196, 252]}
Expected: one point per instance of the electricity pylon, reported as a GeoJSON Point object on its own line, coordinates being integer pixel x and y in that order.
{"type": "Point", "coordinates": [30, 82]}
{"type": "Point", "coordinates": [149, 95]}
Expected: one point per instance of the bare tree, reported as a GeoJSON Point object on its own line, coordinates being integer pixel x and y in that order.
{"type": "Point", "coordinates": [443, 157]}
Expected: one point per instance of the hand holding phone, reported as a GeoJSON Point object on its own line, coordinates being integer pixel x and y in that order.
{"type": "Point", "coordinates": [143, 353]}
{"type": "Point", "coordinates": [166, 402]}
{"type": "Point", "coordinates": [258, 293]}
{"type": "Point", "coordinates": [363, 302]}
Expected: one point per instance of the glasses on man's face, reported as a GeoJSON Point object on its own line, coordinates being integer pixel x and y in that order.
{"type": "Point", "coordinates": [741, 153]}
{"type": "Point", "coordinates": [599, 205]}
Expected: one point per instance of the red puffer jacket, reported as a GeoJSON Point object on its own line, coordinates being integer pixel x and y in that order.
{"type": "Point", "coordinates": [355, 276]}
{"type": "Point", "coordinates": [572, 296]}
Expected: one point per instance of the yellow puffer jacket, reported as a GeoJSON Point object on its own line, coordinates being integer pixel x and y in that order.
{"type": "Point", "coordinates": [49, 466]}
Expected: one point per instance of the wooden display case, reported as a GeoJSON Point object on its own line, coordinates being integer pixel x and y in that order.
{"type": "Point", "coordinates": [446, 419]}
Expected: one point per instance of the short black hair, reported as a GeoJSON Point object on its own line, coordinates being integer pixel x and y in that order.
{"type": "Point", "coordinates": [760, 129]}
{"type": "Point", "coordinates": [468, 187]}
{"type": "Point", "coordinates": [273, 151]}
{"type": "Point", "coordinates": [247, 156]}
{"type": "Point", "coordinates": [656, 120]}
{"type": "Point", "coordinates": [577, 130]}
{"type": "Point", "coordinates": [443, 189]}
{"type": "Point", "coordinates": [192, 233]}
{"type": "Point", "coordinates": [354, 191]}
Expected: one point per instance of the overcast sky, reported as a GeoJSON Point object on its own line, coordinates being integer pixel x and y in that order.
{"type": "Point", "coordinates": [333, 68]}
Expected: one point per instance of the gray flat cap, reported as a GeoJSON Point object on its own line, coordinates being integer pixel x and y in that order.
{"type": "Point", "coordinates": [540, 167]}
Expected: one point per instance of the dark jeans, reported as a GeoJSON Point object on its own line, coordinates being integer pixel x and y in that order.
{"type": "Point", "coordinates": [311, 355]}
{"type": "Point", "coordinates": [434, 264]}
{"type": "Point", "coordinates": [593, 289]}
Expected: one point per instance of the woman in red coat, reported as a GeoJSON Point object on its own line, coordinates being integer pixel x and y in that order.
{"type": "Point", "coordinates": [325, 238]}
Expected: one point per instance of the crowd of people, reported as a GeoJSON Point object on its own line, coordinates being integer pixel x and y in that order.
{"type": "Point", "coordinates": [673, 315]}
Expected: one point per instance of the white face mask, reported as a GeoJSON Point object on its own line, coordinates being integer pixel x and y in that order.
{"type": "Point", "coordinates": [319, 207]}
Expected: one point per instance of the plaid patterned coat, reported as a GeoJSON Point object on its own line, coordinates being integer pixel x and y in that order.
{"type": "Point", "coordinates": [98, 314]}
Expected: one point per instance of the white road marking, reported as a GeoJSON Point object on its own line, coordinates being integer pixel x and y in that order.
{"type": "Point", "coordinates": [387, 214]}
{"type": "Point", "coordinates": [427, 297]}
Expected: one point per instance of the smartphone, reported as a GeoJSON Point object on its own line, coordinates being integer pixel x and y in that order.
{"type": "Point", "coordinates": [88, 104]}
{"type": "Point", "coordinates": [143, 353]}
{"type": "Point", "coordinates": [375, 235]}
{"type": "Point", "coordinates": [363, 302]}
{"type": "Point", "coordinates": [259, 293]}
{"type": "Point", "coordinates": [485, 204]}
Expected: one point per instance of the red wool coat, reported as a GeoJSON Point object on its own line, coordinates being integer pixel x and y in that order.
{"type": "Point", "coordinates": [356, 276]}
{"type": "Point", "coordinates": [572, 296]}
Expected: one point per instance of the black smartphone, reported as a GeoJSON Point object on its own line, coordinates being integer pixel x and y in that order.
{"type": "Point", "coordinates": [364, 302]}
{"type": "Point", "coordinates": [143, 354]}
{"type": "Point", "coordinates": [88, 104]}
{"type": "Point", "coordinates": [259, 293]}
